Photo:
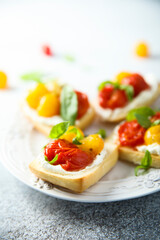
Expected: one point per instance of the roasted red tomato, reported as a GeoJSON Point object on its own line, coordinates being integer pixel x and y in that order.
{"type": "Point", "coordinates": [83, 104]}
{"type": "Point", "coordinates": [70, 157]}
{"type": "Point", "coordinates": [112, 98]}
{"type": "Point", "coordinates": [104, 95]}
{"type": "Point", "coordinates": [155, 117]}
{"type": "Point", "coordinates": [137, 81]}
{"type": "Point", "coordinates": [131, 134]}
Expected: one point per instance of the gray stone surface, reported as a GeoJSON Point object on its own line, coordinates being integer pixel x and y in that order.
{"type": "Point", "coordinates": [28, 214]}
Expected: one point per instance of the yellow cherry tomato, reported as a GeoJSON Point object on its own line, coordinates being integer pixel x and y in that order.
{"type": "Point", "coordinates": [122, 75]}
{"type": "Point", "coordinates": [49, 105]}
{"type": "Point", "coordinates": [35, 95]}
{"type": "Point", "coordinates": [142, 49]}
{"type": "Point", "coordinates": [92, 144]}
{"type": "Point", "coordinates": [152, 135]}
{"type": "Point", "coordinates": [69, 136]}
{"type": "Point", "coordinates": [54, 87]}
{"type": "Point", "coordinates": [3, 80]}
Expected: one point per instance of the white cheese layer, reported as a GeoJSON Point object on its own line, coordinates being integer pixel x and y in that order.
{"type": "Point", "coordinates": [140, 100]}
{"type": "Point", "coordinates": [152, 148]}
{"type": "Point", "coordinates": [59, 170]}
{"type": "Point", "coordinates": [50, 121]}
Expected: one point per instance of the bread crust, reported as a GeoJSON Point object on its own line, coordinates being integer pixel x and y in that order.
{"type": "Point", "coordinates": [45, 129]}
{"type": "Point", "coordinates": [121, 115]}
{"type": "Point", "coordinates": [82, 180]}
{"type": "Point", "coordinates": [131, 155]}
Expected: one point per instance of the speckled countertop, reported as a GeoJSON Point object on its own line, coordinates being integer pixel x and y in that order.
{"type": "Point", "coordinates": [28, 214]}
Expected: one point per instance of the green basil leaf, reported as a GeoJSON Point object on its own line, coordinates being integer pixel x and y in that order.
{"type": "Point", "coordinates": [54, 159]}
{"type": "Point", "coordinates": [69, 58]}
{"type": "Point", "coordinates": [127, 88]}
{"type": "Point", "coordinates": [45, 157]}
{"type": "Point", "coordinates": [145, 163]}
{"type": "Point", "coordinates": [69, 104]}
{"type": "Point", "coordinates": [58, 130]}
{"type": "Point", "coordinates": [102, 133]}
{"type": "Point", "coordinates": [76, 141]}
{"type": "Point", "coordinates": [103, 84]}
{"type": "Point", "coordinates": [143, 120]}
{"type": "Point", "coordinates": [155, 123]}
{"type": "Point", "coordinates": [33, 76]}
{"type": "Point", "coordinates": [147, 160]}
{"type": "Point", "coordinates": [137, 169]}
{"type": "Point", "coordinates": [129, 91]}
{"type": "Point", "coordinates": [78, 137]}
{"type": "Point", "coordinates": [145, 111]}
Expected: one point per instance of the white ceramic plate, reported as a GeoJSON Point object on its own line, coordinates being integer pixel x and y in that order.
{"type": "Point", "coordinates": [21, 143]}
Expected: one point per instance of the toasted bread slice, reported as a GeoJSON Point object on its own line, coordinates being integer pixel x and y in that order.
{"type": "Point", "coordinates": [131, 155]}
{"type": "Point", "coordinates": [120, 113]}
{"type": "Point", "coordinates": [80, 180]}
{"type": "Point", "coordinates": [44, 128]}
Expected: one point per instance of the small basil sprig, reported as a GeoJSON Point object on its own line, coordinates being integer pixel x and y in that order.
{"type": "Point", "coordinates": [69, 58]}
{"type": "Point", "coordinates": [33, 76]}
{"type": "Point", "coordinates": [53, 160]}
{"type": "Point", "coordinates": [103, 84]}
{"type": "Point", "coordinates": [102, 133]}
{"type": "Point", "coordinates": [145, 163]}
{"type": "Point", "coordinates": [69, 104]}
{"type": "Point", "coordinates": [78, 137]}
{"type": "Point", "coordinates": [155, 123]}
{"type": "Point", "coordinates": [142, 116]}
{"type": "Point", "coordinates": [127, 88]}
{"type": "Point", "coordinates": [145, 111]}
{"type": "Point", "coordinates": [129, 91]}
{"type": "Point", "coordinates": [143, 120]}
{"type": "Point", "coordinates": [58, 130]}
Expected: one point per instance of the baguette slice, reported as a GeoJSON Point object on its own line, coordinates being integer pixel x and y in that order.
{"type": "Point", "coordinates": [45, 129]}
{"type": "Point", "coordinates": [131, 155]}
{"type": "Point", "coordinates": [80, 180]}
{"type": "Point", "coordinates": [119, 114]}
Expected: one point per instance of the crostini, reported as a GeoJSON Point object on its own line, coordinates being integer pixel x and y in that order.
{"type": "Point", "coordinates": [74, 161]}
{"type": "Point", "coordinates": [49, 104]}
{"type": "Point", "coordinates": [140, 133]}
{"type": "Point", "coordinates": [128, 90]}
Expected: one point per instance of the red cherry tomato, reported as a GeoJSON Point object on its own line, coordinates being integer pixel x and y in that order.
{"type": "Point", "coordinates": [70, 157]}
{"type": "Point", "coordinates": [131, 134]}
{"type": "Point", "coordinates": [47, 50]}
{"type": "Point", "coordinates": [83, 104]}
{"type": "Point", "coordinates": [137, 81]}
{"type": "Point", "coordinates": [112, 98]}
{"type": "Point", "coordinates": [57, 146]}
{"type": "Point", "coordinates": [104, 95]}
{"type": "Point", "coordinates": [155, 117]}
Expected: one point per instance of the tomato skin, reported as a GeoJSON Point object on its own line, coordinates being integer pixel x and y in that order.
{"type": "Point", "coordinates": [57, 146]}
{"type": "Point", "coordinates": [47, 50]}
{"type": "Point", "coordinates": [83, 104]}
{"type": "Point", "coordinates": [152, 135]}
{"type": "Point", "coordinates": [70, 157]}
{"type": "Point", "coordinates": [104, 95]}
{"type": "Point", "coordinates": [155, 117]}
{"type": "Point", "coordinates": [112, 98]}
{"type": "Point", "coordinates": [137, 82]}
{"type": "Point", "coordinates": [131, 134]}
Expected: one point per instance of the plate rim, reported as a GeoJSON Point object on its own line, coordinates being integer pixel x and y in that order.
{"type": "Point", "coordinates": [101, 199]}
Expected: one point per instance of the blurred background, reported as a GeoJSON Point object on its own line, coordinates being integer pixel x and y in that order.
{"type": "Point", "coordinates": [90, 40]}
